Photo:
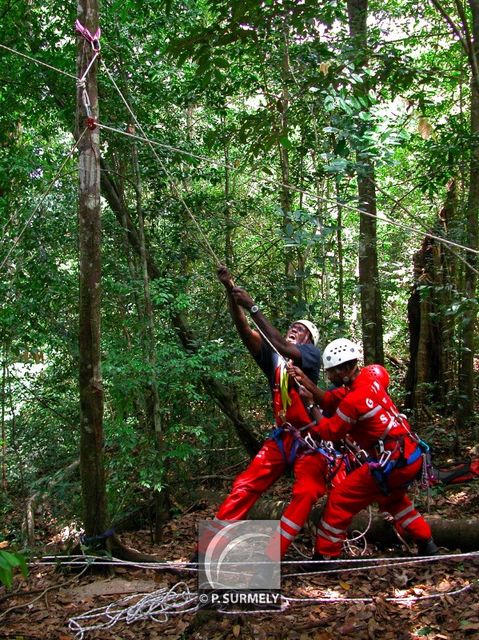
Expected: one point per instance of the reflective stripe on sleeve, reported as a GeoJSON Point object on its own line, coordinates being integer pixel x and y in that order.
{"type": "Point", "coordinates": [344, 417]}
{"type": "Point", "coordinates": [370, 414]}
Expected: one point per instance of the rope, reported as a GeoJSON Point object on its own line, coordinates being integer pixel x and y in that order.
{"type": "Point", "coordinates": [354, 549]}
{"type": "Point", "coordinates": [43, 64]}
{"type": "Point", "coordinates": [292, 187]}
{"type": "Point", "coordinates": [173, 186]}
{"type": "Point", "coordinates": [160, 605]}
{"type": "Point", "coordinates": [186, 565]}
{"type": "Point", "coordinates": [157, 606]}
{"type": "Point", "coordinates": [225, 165]}
{"type": "Point", "coordinates": [43, 198]}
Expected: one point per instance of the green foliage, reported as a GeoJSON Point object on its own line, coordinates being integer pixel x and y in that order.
{"type": "Point", "coordinates": [8, 563]}
{"type": "Point", "coordinates": [259, 94]}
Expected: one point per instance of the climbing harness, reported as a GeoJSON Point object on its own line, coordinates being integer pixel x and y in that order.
{"type": "Point", "coordinates": [306, 444]}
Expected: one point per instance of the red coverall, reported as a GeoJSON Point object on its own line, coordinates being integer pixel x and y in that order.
{"type": "Point", "coordinates": [310, 474]}
{"type": "Point", "coordinates": [367, 414]}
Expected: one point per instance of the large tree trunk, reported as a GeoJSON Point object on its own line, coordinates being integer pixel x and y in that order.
{"type": "Point", "coordinates": [371, 311]}
{"type": "Point", "coordinates": [453, 534]}
{"type": "Point", "coordinates": [91, 386]}
{"type": "Point", "coordinates": [466, 369]}
{"type": "Point", "coordinates": [430, 376]}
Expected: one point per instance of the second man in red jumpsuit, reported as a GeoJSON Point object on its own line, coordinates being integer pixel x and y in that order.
{"type": "Point", "coordinates": [361, 409]}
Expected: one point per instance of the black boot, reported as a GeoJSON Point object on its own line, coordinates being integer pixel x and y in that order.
{"type": "Point", "coordinates": [427, 548]}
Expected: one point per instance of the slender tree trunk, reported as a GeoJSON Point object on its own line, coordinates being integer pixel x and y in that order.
{"type": "Point", "coordinates": [91, 385]}
{"type": "Point", "coordinates": [466, 366]}
{"type": "Point", "coordinates": [162, 504]}
{"type": "Point", "coordinates": [4, 431]}
{"type": "Point", "coordinates": [339, 243]}
{"type": "Point", "coordinates": [225, 397]}
{"type": "Point", "coordinates": [371, 311]}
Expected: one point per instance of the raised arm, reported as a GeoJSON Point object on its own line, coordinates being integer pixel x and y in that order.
{"type": "Point", "coordinates": [250, 338]}
{"type": "Point", "coordinates": [240, 299]}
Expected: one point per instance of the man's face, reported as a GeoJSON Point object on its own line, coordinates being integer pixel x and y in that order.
{"type": "Point", "coordinates": [336, 375]}
{"type": "Point", "coordinates": [298, 334]}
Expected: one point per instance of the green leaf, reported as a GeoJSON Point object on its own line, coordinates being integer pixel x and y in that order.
{"type": "Point", "coordinates": [285, 142]}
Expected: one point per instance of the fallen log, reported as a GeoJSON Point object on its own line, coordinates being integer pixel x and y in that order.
{"type": "Point", "coordinates": [460, 534]}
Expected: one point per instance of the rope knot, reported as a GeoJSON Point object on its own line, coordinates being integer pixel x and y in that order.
{"type": "Point", "coordinates": [93, 39]}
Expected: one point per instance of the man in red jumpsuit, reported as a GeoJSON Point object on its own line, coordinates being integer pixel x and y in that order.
{"type": "Point", "coordinates": [272, 351]}
{"type": "Point", "coordinates": [361, 409]}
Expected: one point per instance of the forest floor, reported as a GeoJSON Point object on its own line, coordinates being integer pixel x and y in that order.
{"type": "Point", "coordinates": [436, 599]}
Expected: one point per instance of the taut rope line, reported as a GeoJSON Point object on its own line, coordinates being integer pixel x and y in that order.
{"type": "Point", "coordinates": [43, 64]}
{"type": "Point", "coordinates": [292, 187]}
{"type": "Point", "coordinates": [264, 179]}
{"type": "Point", "coordinates": [173, 186]}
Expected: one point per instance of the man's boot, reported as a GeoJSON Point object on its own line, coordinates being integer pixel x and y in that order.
{"type": "Point", "coordinates": [427, 548]}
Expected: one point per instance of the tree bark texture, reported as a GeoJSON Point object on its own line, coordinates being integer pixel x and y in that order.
{"type": "Point", "coordinates": [91, 386]}
{"type": "Point", "coordinates": [430, 376]}
{"type": "Point", "coordinates": [454, 534]}
{"type": "Point", "coordinates": [371, 310]}
{"type": "Point", "coordinates": [466, 369]}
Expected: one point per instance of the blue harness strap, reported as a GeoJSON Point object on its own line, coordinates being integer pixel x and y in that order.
{"type": "Point", "coordinates": [298, 442]}
{"type": "Point", "coordinates": [381, 472]}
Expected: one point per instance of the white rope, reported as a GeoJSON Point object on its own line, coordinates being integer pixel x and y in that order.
{"type": "Point", "coordinates": [315, 196]}
{"type": "Point", "coordinates": [305, 192]}
{"type": "Point", "coordinates": [157, 606]}
{"type": "Point", "coordinates": [43, 64]}
{"type": "Point", "coordinates": [400, 560]}
{"type": "Point", "coordinates": [177, 600]}
{"type": "Point", "coordinates": [162, 165]}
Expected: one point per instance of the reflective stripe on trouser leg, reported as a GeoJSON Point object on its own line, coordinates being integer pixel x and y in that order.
{"type": "Point", "coordinates": [352, 495]}
{"type": "Point", "coordinates": [310, 484]}
{"type": "Point", "coordinates": [406, 518]}
{"type": "Point", "coordinates": [333, 534]}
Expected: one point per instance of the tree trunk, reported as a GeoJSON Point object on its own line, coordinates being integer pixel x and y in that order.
{"type": "Point", "coordinates": [466, 368]}
{"type": "Point", "coordinates": [91, 386]}
{"type": "Point", "coordinates": [371, 311]}
{"type": "Point", "coordinates": [453, 534]}
{"type": "Point", "coordinates": [153, 407]}
{"type": "Point", "coordinates": [293, 290]}
{"type": "Point", "coordinates": [3, 434]}
{"type": "Point", "coordinates": [225, 397]}
{"type": "Point", "coordinates": [430, 378]}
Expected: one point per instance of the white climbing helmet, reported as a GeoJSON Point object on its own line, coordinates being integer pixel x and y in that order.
{"type": "Point", "coordinates": [312, 328]}
{"type": "Point", "coordinates": [340, 351]}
